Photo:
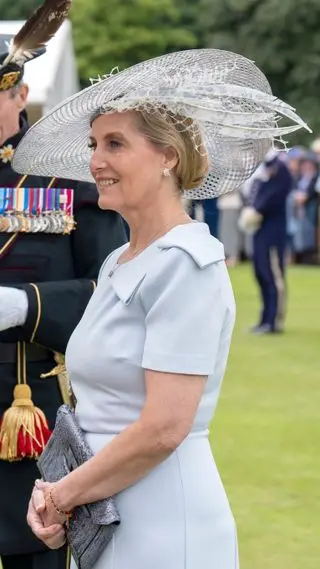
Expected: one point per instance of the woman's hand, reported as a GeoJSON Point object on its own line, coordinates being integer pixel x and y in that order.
{"type": "Point", "coordinates": [50, 515]}
{"type": "Point", "coordinates": [46, 524]}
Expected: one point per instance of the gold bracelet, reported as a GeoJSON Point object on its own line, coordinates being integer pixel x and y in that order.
{"type": "Point", "coordinates": [68, 515]}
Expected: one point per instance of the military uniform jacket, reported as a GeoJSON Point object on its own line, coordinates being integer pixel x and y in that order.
{"type": "Point", "coordinates": [270, 200]}
{"type": "Point", "coordinates": [58, 274]}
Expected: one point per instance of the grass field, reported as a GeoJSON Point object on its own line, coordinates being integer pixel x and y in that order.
{"type": "Point", "coordinates": [266, 433]}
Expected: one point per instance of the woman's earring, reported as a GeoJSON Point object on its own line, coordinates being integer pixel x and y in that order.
{"type": "Point", "coordinates": [166, 172]}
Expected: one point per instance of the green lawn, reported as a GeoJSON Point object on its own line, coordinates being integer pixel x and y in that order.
{"type": "Point", "coordinates": [266, 433]}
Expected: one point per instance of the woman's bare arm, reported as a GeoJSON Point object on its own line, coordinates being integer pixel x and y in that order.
{"type": "Point", "coordinates": [166, 419]}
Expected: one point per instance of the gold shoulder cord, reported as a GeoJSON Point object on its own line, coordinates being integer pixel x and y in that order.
{"type": "Point", "coordinates": [52, 181]}
{"type": "Point", "coordinates": [39, 312]}
{"type": "Point", "coordinates": [8, 243]}
{"type": "Point", "coordinates": [68, 560]}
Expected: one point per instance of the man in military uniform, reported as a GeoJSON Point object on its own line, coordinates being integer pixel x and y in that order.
{"type": "Point", "coordinates": [53, 240]}
{"type": "Point", "coordinates": [269, 242]}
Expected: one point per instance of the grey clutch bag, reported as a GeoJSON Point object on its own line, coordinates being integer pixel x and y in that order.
{"type": "Point", "coordinates": [93, 525]}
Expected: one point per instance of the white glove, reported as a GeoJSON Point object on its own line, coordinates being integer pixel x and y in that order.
{"type": "Point", "coordinates": [13, 307]}
{"type": "Point", "coordinates": [249, 220]}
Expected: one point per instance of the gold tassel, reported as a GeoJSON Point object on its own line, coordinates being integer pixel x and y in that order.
{"type": "Point", "coordinates": [24, 429]}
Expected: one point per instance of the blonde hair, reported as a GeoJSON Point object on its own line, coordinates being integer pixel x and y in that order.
{"type": "Point", "coordinates": [183, 135]}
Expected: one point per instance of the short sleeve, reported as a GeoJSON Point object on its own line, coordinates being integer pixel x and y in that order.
{"type": "Point", "coordinates": [185, 312]}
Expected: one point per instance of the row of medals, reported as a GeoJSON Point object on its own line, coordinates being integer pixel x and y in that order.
{"type": "Point", "coordinates": [57, 222]}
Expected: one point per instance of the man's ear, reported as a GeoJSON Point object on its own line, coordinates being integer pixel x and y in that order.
{"type": "Point", "coordinates": [22, 96]}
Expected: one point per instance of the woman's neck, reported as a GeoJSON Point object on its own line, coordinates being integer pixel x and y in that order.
{"type": "Point", "coordinates": [151, 225]}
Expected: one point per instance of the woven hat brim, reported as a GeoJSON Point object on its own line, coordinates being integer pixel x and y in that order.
{"type": "Point", "coordinates": [225, 93]}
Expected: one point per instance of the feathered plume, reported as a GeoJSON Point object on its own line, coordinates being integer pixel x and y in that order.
{"type": "Point", "coordinates": [37, 31]}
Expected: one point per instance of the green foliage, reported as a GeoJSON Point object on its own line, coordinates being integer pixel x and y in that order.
{"type": "Point", "coordinates": [189, 17]}
{"type": "Point", "coordinates": [17, 10]}
{"type": "Point", "coordinates": [281, 36]}
{"type": "Point", "coordinates": [109, 33]}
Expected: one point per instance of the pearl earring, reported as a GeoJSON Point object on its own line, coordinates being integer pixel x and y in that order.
{"type": "Point", "coordinates": [166, 172]}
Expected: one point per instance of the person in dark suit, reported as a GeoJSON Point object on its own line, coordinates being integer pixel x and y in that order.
{"type": "Point", "coordinates": [53, 240]}
{"type": "Point", "coordinates": [269, 243]}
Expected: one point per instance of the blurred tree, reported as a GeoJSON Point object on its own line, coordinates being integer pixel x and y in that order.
{"type": "Point", "coordinates": [17, 10]}
{"type": "Point", "coordinates": [189, 18]}
{"type": "Point", "coordinates": [282, 37]}
{"type": "Point", "coordinates": [113, 33]}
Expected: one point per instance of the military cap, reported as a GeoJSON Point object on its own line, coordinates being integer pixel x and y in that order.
{"type": "Point", "coordinates": [11, 74]}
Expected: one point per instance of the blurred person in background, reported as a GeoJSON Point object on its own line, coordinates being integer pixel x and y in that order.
{"type": "Point", "coordinates": [229, 206]}
{"type": "Point", "coordinates": [211, 215]}
{"type": "Point", "coordinates": [293, 161]}
{"type": "Point", "coordinates": [269, 242]}
{"type": "Point", "coordinates": [206, 211]}
{"type": "Point", "coordinates": [315, 147]}
{"type": "Point", "coordinates": [305, 198]}
{"type": "Point", "coordinates": [249, 220]}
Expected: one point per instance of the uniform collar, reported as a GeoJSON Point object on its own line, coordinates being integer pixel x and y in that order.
{"type": "Point", "coordinates": [194, 239]}
{"type": "Point", "coordinates": [8, 147]}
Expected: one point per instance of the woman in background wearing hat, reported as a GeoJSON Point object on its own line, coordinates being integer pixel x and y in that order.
{"type": "Point", "coordinates": [147, 360]}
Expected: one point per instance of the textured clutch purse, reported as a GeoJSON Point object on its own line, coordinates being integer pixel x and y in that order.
{"type": "Point", "coordinates": [93, 525]}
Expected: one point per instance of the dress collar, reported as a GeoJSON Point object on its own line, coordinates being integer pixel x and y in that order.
{"type": "Point", "coordinates": [193, 238]}
{"type": "Point", "coordinates": [196, 240]}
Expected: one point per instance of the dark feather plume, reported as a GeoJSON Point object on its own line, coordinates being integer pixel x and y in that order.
{"type": "Point", "coordinates": [37, 30]}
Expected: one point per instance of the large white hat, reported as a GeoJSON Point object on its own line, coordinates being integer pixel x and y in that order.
{"type": "Point", "coordinates": [228, 98]}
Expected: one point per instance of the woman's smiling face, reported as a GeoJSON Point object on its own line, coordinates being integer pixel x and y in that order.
{"type": "Point", "coordinates": [127, 168]}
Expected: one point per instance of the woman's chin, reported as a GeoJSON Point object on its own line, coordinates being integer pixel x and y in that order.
{"type": "Point", "coordinates": [106, 202]}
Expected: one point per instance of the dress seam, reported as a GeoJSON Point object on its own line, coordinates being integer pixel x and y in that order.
{"type": "Point", "coordinates": [184, 510]}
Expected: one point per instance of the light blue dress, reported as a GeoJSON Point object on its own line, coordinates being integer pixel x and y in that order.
{"type": "Point", "coordinates": [170, 309]}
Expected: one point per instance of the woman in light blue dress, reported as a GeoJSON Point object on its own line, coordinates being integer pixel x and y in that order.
{"type": "Point", "coordinates": [147, 360]}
